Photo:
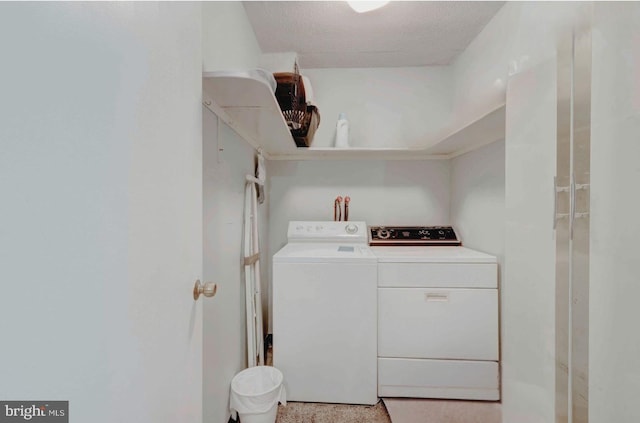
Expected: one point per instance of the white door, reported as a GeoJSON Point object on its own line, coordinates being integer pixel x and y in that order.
{"type": "Point", "coordinates": [529, 289]}
{"type": "Point", "coordinates": [101, 209]}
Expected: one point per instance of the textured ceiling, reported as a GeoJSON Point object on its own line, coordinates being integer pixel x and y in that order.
{"type": "Point", "coordinates": [403, 33]}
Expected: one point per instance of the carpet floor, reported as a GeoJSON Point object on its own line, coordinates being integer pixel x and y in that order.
{"type": "Point", "coordinates": [307, 412]}
{"type": "Point", "coordinates": [410, 410]}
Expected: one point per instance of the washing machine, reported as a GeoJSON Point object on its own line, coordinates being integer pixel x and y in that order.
{"type": "Point", "coordinates": [325, 313]}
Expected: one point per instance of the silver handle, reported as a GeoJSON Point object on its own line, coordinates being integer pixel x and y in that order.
{"type": "Point", "coordinates": [556, 190]}
{"type": "Point", "coordinates": [436, 296]}
{"type": "Point", "coordinates": [555, 202]}
{"type": "Point", "coordinates": [209, 289]}
{"type": "Point", "coordinates": [572, 205]}
{"type": "Point", "coordinates": [576, 214]}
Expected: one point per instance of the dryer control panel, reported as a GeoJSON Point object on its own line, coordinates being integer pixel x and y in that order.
{"type": "Point", "coordinates": [413, 235]}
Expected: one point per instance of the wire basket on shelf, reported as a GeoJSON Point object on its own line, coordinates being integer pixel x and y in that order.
{"type": "Point", "coordinates": [302, 119]}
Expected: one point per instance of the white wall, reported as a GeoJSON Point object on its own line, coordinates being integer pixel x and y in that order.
{"type": "Point", "coordinates": [520, 36]}
{"type": "Point", "coordinates": [477, 199]}
{"type": "Point", "coordinates": [382, 192]}
{"type": "Point", "coordinates": [100, 235]}
{"type": "Point", "coordinates": [227, 159]}
{"type": "Point", "coordinates": [228, 43]}
{"type": "Point", "coordinates": [614, 344]}
{"type": "Point", "coordinates": [228, 40]}
{"type": "Point", "coordinates": [399, 107]}
{"type": "Point", "coordinates": [386, 107]}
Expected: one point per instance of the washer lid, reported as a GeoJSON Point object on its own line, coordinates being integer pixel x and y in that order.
{"type": "Point", "coordinates": [431, 255]}
{"type": "Point", "coordinates": [324, 252]}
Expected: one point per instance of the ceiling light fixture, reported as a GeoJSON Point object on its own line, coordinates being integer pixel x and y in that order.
{"type": "Point", "coordinates": [366, 6]}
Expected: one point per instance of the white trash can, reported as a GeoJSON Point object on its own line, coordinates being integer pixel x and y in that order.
{"type": "Point", "coordinates": [255, 393]}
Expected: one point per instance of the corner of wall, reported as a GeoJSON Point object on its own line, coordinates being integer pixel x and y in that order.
{"type": "Point", "coordinates": [228, 39]}
{"type": "Point", "coordinates": [476, 200]}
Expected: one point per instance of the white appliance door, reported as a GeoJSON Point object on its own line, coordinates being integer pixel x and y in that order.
{"type": "Point", "coordinates": [324, 331]}
{"type": "Point", "coordinates": [438, 323]}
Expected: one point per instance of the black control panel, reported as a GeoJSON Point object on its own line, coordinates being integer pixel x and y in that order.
{"type": "Point", "coordinates": [412, 235]}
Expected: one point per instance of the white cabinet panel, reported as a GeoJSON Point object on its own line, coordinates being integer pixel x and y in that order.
{"type": "Point", "coordinates": [438, 323]}
{"type": "Point", "coordinates": [324, 331]}
{"type": "Point", "coordinates": [474, 380]}
{"type": "Point", "coordinates": [465, 275]}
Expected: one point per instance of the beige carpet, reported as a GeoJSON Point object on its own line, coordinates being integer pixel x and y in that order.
{"type": "Point", "coordinates": [408, 410]}
{"type": "Point", "coordinates": [307, 412]}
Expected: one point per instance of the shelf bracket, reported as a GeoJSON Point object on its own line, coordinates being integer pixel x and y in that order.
{"type": "Point", "coordinates": [214, 108]}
